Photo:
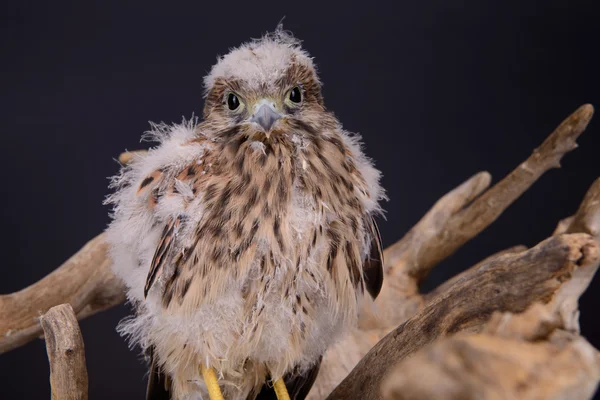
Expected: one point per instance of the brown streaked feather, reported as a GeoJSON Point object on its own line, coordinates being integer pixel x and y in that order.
{"type": "Point", "coordinates": [162, 252]}
{"type": "Point", "coordinates": [149, 181]}
{"type": "Point", "coordinates": [373, 267]}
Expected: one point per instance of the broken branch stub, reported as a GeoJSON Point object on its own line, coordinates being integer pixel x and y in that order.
{"type": "Point", "coordinates": [66, 354]}
{"type": "Point", "coordinates": [85, 281]}
{"type": "Point", "coordinates": [485, 209]}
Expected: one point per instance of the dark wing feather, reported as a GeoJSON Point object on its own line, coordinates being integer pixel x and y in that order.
{"type": "Point", "coordinates": [373, 267]}
{"type": "Point", "coordinates": [157, 381]}
{"type": "Point", "coordinates": [161, 254]}
{"type": "Point", "coordinates": [298, 385]}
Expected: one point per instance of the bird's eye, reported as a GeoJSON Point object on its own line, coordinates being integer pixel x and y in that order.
{"type": "Point", "coordinates": [296, 95]}
{"type": "Point", "coordinates": [233, 102]}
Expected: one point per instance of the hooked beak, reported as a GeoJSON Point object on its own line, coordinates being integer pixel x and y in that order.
{"type": "Point", "coordinates": [265, 116]}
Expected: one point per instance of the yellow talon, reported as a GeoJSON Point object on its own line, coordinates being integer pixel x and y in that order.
{"type": "Point", "coordinates": [214, 391]}
{"type": "Point", "coordinates": [210, 378]}
{"type": "Point", "coordinates": [281, 390]}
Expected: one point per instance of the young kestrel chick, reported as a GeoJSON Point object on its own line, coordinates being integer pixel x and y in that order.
{"type": "Point", "coordinates": [247, 240]}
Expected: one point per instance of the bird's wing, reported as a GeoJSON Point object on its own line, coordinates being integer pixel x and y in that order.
{"type": "Point", "coordinates": [163, 250]}
{"type": "Point", "coordinates": [373, 266]}
{"type": "Point", "coordinates": [152, 190]}
{"type": "Point", "coordinates": [168, 195]}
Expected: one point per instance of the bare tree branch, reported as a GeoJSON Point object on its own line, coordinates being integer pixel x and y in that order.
{"type": "Point", "coordinates": [68, 373]}
{"type": "Point", "coordinates": [464, 224]}
{"type": "Point", "coordinates": [587, 218]}
{"type": "Point", "coordinates": [85, 281]}
{"type": "Point", "coordinates": [487, 366]}
{"type": "Point", "coordinates": [523, 355]}
{"type": "Point", "coordinates": [568, 269]}
{"type": "Point", "coordinates": [456, 218]}
{"type": "Point", "coordinates": [510, 282]}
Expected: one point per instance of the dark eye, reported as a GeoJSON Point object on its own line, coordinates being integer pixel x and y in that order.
{"type": "Point", "coordinates": [296, 95]}
{"type": "Point", "coordinates": [232, 101]}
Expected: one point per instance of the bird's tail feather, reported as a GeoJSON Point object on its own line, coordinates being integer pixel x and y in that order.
{"type": "Point", "coordinates": [158, 383]}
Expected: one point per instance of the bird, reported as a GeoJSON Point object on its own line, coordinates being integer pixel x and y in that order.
{"type": "Point", "coordinates": [247, 239]}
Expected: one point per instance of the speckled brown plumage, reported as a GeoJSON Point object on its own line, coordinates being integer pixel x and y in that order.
{"type": "Point", "coordinates": [261, 237]}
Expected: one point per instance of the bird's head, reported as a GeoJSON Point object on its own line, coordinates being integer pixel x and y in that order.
{"type": "Point", "coordinates": [264, 88]}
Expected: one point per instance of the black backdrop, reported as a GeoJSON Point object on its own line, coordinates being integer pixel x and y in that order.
{"type": "Point", "coordinates": [438, 89]}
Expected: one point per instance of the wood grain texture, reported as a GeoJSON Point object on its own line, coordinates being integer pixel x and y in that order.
{"type": "Point", "coordinates": [464, 224]}
{"type": "Point", "coordinates": [66, 354]}
{"type": "Point", "coordinates": [538, 354]}
{"type": "Point", "coordinates": [454, 219]}
{"type": "Point", "coordinates": [510, 282]}
{"type": "Point", "coordinates": [85, 281]}
{"type": "Point", "coordinates": [564, 266]}
{"type": "Point", "coordinates": [487, 367]}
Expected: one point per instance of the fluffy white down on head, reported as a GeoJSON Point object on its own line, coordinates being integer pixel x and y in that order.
{"type": "Point", "coordinates": [260, 60]}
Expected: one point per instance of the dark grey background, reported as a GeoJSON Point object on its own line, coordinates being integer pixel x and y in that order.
{"type": "Point", "coordinates": [438, 89]}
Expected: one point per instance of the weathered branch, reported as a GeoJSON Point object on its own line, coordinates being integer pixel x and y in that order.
{"type": "Point", "coordinates": [85, 281]}
{"type": "Point", "coordinates": [68, 373]}
{"type": "Point", "coordinates": [521, 355]}
{"type": "Point", "coordinates": [464, 224]}
{"type": "Point", "coordinates": [456, 218]}
{"type": "Point", "coordinates": [563, 290]}
{"type": "Point", "coordinates": [587, 218]}
{"type": "Point", "coordinates": [493, 367]}
{"type": "Point", "coordinates": [404, 257]}
{"type": "Point", "coordinates": [510, 282]}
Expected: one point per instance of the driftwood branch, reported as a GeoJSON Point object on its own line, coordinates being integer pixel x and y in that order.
{"type": "Point", "coordinates": [448, 311]}
{"type": "Point", "coordinates": [84, 281]}
{"type": "Point", "coordinates": [510, 282]}
{"type": "Point", "coordinates": [68, 374]}
{"type": "Point", "coordinates": [456, 218]}
{"type": "Point", "coordinates": [587, 218]}
{"type": "Point", "coordinates": [404, 321]}
{"type": "Point", "coordinates": [453, 224]}
{"type": "Point", "coordinates": [523, 354]}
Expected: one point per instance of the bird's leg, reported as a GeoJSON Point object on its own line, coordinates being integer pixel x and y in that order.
{"type": "Point", "coordinates": [281, 390]}
{"type": "Point", "coordinates": [210, 378]}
